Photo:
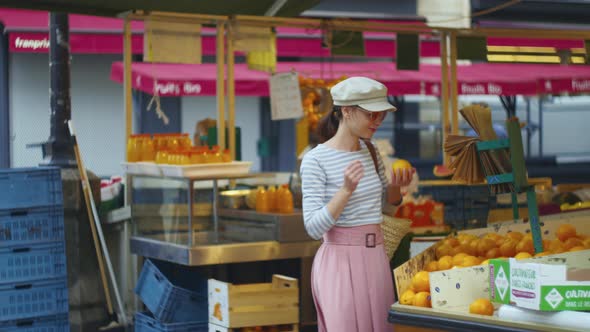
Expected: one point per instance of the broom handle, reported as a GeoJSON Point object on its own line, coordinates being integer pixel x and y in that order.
{"type": "Point", "coordinates": [96, 228]}
{"type": "Point", "coordinates": [85, 190]}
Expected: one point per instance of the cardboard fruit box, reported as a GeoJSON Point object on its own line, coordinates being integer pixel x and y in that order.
{"type": "Point", "coordinates": [550, 283]}
{"type": "Point", "coordinates": [455, 289]}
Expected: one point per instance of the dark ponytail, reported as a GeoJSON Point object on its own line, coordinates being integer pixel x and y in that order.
{"type": "Point", "coordinates": [328, 125]}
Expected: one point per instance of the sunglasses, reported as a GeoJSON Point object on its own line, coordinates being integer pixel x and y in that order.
{"type": "Point", "coordinates": [373, 116]}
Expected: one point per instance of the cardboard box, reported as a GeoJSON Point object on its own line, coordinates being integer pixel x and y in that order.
{"type": "Point", "coordinates": [455, 289]}
{"type": "Point", "coordinates": [550, 283]}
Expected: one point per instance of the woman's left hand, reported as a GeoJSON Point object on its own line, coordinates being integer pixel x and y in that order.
{"type": "Point", "coordinates": [402, 177]}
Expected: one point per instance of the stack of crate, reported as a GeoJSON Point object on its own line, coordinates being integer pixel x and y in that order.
{"type": "Point", "coordinates": [33, 271]}
{"type": "Point", "coordinates": [466, 206]}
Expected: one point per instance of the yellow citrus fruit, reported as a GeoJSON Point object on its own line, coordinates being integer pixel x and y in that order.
{"type": "Point", "coordinates": [544, 253]}
{"type": "Point", "coordinates": [573, 242]}
{"type": "Point", "coordinates": [443, 250]}
{"type": "Point", "coordinates": [445, 263]}
{"type": "Point", "coordinates": [516, 236]}
{"type": "Point", "coordinates": [565, 231]}
{"type": "Point", "coordinates": [481, 307]}
{"type": "Point", "coordinates": [458, 259]}
{"type": "Point", "coordinates": [422, 299]}
{"type": "Point", "coordinates": [401, 164]}
{"type": "Point", "coordinates": [577, 248]}
{"type": "Point", "coordinates": [431, 266]}
{"type": "Point", "coordinates": [421, 282]}
{"type": "Point", "coordinates": [484, 246]}
{"type": "Point", "coordinates": [525, 245]}
{"type": "Point", "coordinates": [486, 262]}
{"type": "Point", "coordinates": [407, 297]}
{"type": "Point", "coordinates": [523, 255]}
{"type": "Point", "coordinates": [453, 242]}
{"type": "Point", "coordinates": [470, 261]}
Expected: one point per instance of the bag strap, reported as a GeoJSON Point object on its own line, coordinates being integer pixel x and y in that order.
{"type": "Point", "coordinates": [373, 154]}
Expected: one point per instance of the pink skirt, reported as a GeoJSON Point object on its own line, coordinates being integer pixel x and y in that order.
{"type": "Point", "coordinates": [351, 281]}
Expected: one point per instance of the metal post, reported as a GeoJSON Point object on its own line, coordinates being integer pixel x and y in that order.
{"type": "Point", "coordinates": [540, 126]}
{"type": "Point", "coordinates": [529, 131]}
{"type": "Point", "coordinates": [58, 149]}
{"type": "Point", "coordinates": [444, 82]}
{"type": "Point", "coordinates": [4, 104]}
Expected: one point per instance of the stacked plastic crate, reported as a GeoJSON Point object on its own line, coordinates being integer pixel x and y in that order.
{"type": "Point", "coordinates": [175, 296]}
{"type": "Point", "coordinates": [466, 206]}
{"type": "Point", "coordinates": [33, 271]}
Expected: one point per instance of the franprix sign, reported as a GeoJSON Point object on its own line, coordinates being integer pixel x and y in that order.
{"type": "Point", "coordinates": [81, 43]}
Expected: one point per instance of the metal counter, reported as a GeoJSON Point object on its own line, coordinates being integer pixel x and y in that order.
{"type": "Point", "coordinates": [222, 253]}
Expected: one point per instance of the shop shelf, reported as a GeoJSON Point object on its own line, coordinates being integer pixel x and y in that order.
{"type": "Point", "coordinates": [145, 322]}
{"type": "Point", "coordinates": [33, 225]}
{"type": "Point", "coordinates": [56, 323]}
{"type": "Point", "coordinates": [169, 303]}
{"type": "Point", "coordinates": [29, 263]}
{"type": "Point", "coordinates": [30, 187]}
{"type": "Point", "coordinates": [43, 298]}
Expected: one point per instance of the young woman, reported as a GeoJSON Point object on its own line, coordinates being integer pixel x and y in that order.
{"type": "Point", "coordinates": [342, 203]}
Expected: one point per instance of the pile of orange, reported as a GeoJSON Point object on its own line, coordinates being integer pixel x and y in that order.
{"type": "Point", "coordinates": [312, 91]}
{"type": "Point", "coordinates": [466, 250]}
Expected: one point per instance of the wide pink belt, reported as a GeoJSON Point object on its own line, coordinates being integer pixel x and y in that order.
{"type": "Point", "coordinates": [367, 236]}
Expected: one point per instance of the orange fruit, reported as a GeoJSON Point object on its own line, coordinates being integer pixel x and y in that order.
{"type": "Point", "coordinates": [565, 231]}
{"type": "Point", "coordinates": [484, 246]}
{"type": "Point", "coordinates": [431, 266]}
{"type": "Point", "coordinates": [421, 282]}
{"type": "Point", "coordinates": [508, 248]}
{"type": "Point", "coordinates": [573, 242]}
{"type": "Point", "coordinates": [493, 253]}
{"type": "Point", "coordinates": [486, 262]}
{"type": "Point", "coordinates": [577, 248]}
{"type": "Point", "coordinates": [458, 259]}
{"type": "Point", "coordinates": [459, 250]}
{"type": "Point", "coordinates": [523, 255]}
{"type": "Point", "coordinates": [401, 164]}
{"type": "Point", "coordinates": [445, 263]}
{"type": "Point", "coordinates": [443, 250]}
{"type": "Point", "coordinates": [587, 243]}
{"type": "Point", "coordinates": [470, 261]}
{"type": "Point", "coordinates": [556, 246]}
{"type": "Point", "coordinates": [525, 245]}
{"type": "Point", "coordinates": [481, 307]}
{"type": "Point", "coordinates": [407, 297]}
{"type": "Point", "coordinates": [422, 299]}
{"type": "Point", "coordinates": [516, 236]}
{"type": "Point", "coordinates": [493, 236]}
{"type": "Point", "coordinates": [453, 242]}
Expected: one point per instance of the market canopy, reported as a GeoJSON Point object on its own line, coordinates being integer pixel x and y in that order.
{"type": "Point", "coordinates": [28, 33]}
{"type": "Point", "coordinates": [205, 7]}
{"type": "Point", "coordinates": [475, 79]}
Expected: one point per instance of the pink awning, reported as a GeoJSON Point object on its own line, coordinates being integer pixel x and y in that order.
{"type": "Point", "coordinates": [28, 33]}
{"type": "Point", "coordinates": [477, 79]}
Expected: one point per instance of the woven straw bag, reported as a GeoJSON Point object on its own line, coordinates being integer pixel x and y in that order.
{"type": "Point", "coordinates": [393, 229]}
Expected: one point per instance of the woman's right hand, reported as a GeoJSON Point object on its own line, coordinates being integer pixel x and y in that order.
{"type": "Point", "coordinates": [353, 174]}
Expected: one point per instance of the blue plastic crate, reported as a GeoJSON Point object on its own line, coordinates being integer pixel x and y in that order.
{"type": "Point", "coordinates": [30, 187]}
{"type": "Point", "coordinates": [168, 302]}
{"type": "Point", "coordinates": [28, 263]}
{"type": "Point", "coordinates": [57, 323]}
{"type": "Point", "coordinates": [29, 226]}
{"type": "Point", "coordinates": [42, 298]}
{"type": "Point", "coordinates": [145, 322]}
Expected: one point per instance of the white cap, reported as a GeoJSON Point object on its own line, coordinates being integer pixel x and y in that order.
{"type": "Point", "coordinates": [362, 91]}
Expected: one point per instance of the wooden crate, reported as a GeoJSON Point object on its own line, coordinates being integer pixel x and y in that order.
{"type": "Point", "coordinates": [264, 304]}
{"type": "Point", "coordinates": [581, 219]}
{"type": "Point", "coordinates": [274, 328]}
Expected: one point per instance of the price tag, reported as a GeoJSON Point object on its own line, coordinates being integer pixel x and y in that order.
{"type": "Point", "coordinates": [285, 96]}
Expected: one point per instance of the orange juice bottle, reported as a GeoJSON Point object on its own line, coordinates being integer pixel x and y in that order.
{"type": "Point", "coordinates": [286, 200]}
{"type": "Point", "coordinates": [132, 152]}
{"type": "Point", "coordinates": [262, 200]}
{"type": "Point", "coordinates": [162, 157]}
{"type": "Point", "coordinates": [216, 155]}
{"type": "Point", "coordinates": [226, 156]}
{"type": "Point", "coordinates": [173, 142]}
{"type": "Point", "coordinates": [273, 198]}
{"type": "Point", "coordinates": [147, 148]}
{"type": "Point", "coordinates": [185, 141]}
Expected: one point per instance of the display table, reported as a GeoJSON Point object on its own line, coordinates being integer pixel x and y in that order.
{"type": "Point", "coordinates": [416, 319]}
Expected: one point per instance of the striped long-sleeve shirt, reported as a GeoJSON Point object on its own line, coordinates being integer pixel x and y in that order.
{"type": "Point", "coordinates": [322, 175]}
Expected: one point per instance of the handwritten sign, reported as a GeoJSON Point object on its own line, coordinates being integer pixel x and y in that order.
{"type": "Point", "coordinates": [285, 96]}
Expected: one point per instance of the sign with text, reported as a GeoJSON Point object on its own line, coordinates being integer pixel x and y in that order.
{"type": "Point", "coordinates": [285, 96]}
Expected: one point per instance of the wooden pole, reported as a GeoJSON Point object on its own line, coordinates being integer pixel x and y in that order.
{"type": "Point", "coordinates": [231, 92]}
{"type": "Point", "coordinates": [220, 84]}
{"type": "Point", "coordinates": [444, 95]}
{"type": "Point", "coordinates": [127, 95]}
{"type": "Point", "coordinates": [454, 92]}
